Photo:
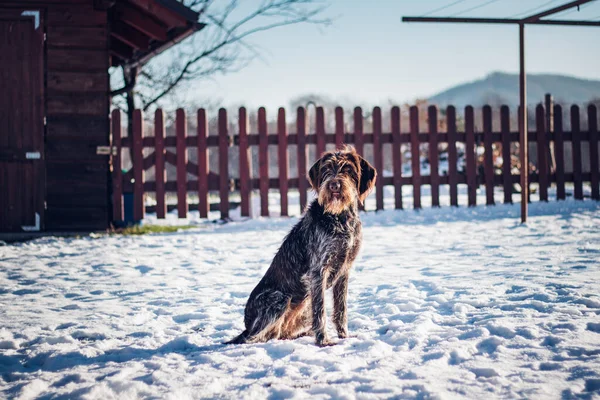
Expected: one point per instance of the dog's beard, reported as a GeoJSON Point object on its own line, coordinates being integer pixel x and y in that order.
{"type": "Point", "coordinates": [339, 202]}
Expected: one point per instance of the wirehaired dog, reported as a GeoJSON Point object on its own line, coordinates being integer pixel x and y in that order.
{"type": "Point", "coordinates": [289, 301]}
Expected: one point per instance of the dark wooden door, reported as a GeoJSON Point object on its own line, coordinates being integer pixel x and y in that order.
{"type": "Point", "coordinates": [22, 188]}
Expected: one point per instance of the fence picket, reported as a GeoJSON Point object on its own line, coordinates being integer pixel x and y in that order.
{"type": "Point", "coordinates": [452, 155]}
{"type": "Point", "coordinates": [301, 156]}
{"type": "Point", "coordinates": [506, 156]}
{"type": "Point", "coordinates": [359, 139]}
{"type": "Point", "coordinates": [202, 149]}
{"type": "Point", "coordinates": [320, 132]}
{"type": "Point", "coordinates": [559, 153]}
{"type": "Point", "coordinates": [263, 162]}
{"type": "Point", "coordinates": [415, 156]}
{"type": "Point", "coordinates": [339, 128]}
{"type": "Point", "coordinates": [138, 166]}
{"type": "Point", "coordinates": [182, 159]}
{"type": "Point", "coordinates": [397, 156]}
{"type": "Point", "coordinates": [542, 151]}
{"type": "Point", "coordinates": [575, 130]}
{"type": "Point", "coordinates": [488, 164]}
{"type": "Point", "coordinates": [434, 173]}
{"type": "Point", "coordinates": [595, 174]}
{"type": "Point", "coordinates": [470, 157]}
{"type": "Point", "coordinates": [377, 155]}
{"type": "Point", "coordinates": [245, 163]}
{"type": "Point", "coordinates": [159, 163]}
{"type": "Point", "coordinates": [117, 173]}
{"type": "Point", "coordinates": [224, 163]}
{"type": "Point", "coordinates": [283, 161]}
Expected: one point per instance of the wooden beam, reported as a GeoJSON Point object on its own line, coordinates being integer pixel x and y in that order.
{"type": "Point", "coordinates": [453, 20]}
{"type": "Point", "coordinates": [120, 49]}
{"type": "Point", "coordinates": [169, 17]}
{"type": "Point", "coordinates": [143, 23]}
{"type": "Point", "coordinates": [129, 35]}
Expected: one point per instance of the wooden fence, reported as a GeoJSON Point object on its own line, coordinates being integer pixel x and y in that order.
{"type": "Point", "coordinates": [134, 180]}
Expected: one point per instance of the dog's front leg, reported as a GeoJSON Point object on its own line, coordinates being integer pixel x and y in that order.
{"type": "Point", "coordinates": [340, 313]}
{"type": "Point", "coordinates": [318, 281]}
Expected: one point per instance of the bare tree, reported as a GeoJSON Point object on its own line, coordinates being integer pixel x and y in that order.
{"type": "Point", "coordinates": [223, 46]}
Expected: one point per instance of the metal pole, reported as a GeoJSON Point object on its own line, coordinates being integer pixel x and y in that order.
{"type": "Point", "coordinates": [523, 125]}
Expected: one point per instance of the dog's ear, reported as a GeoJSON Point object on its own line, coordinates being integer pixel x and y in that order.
{"type": "Point", "coordinates": [368, 174]}
{"type": "Point", "coordinates": [313, 175]}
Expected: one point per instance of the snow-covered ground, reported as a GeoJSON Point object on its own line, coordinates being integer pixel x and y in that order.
{"type": "Point", "coordinates": [444, 303]}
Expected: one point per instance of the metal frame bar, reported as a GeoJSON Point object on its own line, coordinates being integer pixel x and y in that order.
{"type": "Point", "coordinates": [534, 19]}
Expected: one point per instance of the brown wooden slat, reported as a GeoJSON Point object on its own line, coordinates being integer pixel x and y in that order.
{"type": "Point", "coordinates": [245, 163]}
{"type": "Point", "coordinates": [575, 129]}
{"type": "Point", "coordinates": [415, 156]}
{"type": "Point", "coordinates": [320, 132]}
{"type": "Point", "coordinates": [506, 156]}
{"type": "Point", "coordinates": [301, 156]}
{"type": "Point", "coordinates": [594, 172]}
{"type": "Point", "coordinates": [133, 17]}
{"type": "Point", "coordinates": [397, 157]}
{"type": "Point", "coordinates": [283, 161]}
{"type": "Point", "coordinates": [263, 162]}
{"type": "Point", "coordinates": [452, 155]}
{"type": "Point", "coordinates": [559, 153]}
{"type": "Point", "coordinates": [76, 60]}
{"type": "Point", "coordinates": [358, 131]}
{"type": "Point", "coordinates": [117, 176]}
{"type": "Point", "coordinates": [433, 156]}
{"type": "Point", "coordinates": [160, 172]}
{"type": "Point", "coordinates": [542, 152]}
{"type": "Point", "coordinates": [339, 128]}
{"type": "Point", "coordinates": [203, 163]}
{"type": "Point", "coordinates": [77, 37]}
{"type": "Point", "coordinates": [224, 163]}
{"type": "Point", "coordinates": [470, 157]}
{"type": "Point", "coordinates": [378, 156]}
{"type": "Point", "coordinates": [60, 82]}
{"type": "Point", "coordinates": [138, 170]}
{"type": "Point", "coordinates": [488, 164]}
{"type": "Point", "coordinates": [76, 104]}
{"type": "Point", "coordinates": [182, 159]}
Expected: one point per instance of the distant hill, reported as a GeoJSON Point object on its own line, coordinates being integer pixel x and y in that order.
{"type": "Point", "coordinates": [503, 88]}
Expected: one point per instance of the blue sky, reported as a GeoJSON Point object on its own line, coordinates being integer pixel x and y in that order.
{"type": "Point", "coordinates": [368, 56]}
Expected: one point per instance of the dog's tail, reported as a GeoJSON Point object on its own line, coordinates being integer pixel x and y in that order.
{"type": "Point", "coordinates": [239, 339]}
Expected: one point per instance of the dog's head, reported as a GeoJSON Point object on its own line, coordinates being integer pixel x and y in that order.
{"type": "Point", "coordinates": [340, 178]}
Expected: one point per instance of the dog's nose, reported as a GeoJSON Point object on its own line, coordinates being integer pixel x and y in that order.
{"type": "Point", "coordinates": [334, 186]}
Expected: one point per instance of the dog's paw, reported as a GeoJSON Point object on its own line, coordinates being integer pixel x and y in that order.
{"type": "Point", "coordinates": [343, 334]}
{"type": "Point", "coordinates": [325, 343]}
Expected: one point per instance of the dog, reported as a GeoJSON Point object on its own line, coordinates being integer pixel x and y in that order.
{"type": "Point", "coordinates": [317, 254]}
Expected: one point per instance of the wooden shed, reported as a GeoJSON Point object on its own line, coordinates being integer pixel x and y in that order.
{"type": "Point", "coordinates": [55, 102]}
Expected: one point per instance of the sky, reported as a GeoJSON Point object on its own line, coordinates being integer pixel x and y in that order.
{"type": "Point", "coordinates": [367, 56]}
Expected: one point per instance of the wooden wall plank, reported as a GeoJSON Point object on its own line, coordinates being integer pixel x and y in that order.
{"type": "Point", "coordinates": [61, 82]}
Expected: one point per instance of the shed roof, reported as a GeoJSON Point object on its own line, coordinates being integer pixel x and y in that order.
{"type": "Point", "coordinates": [142, 29]}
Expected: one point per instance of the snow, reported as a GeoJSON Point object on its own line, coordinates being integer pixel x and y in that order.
{"type": "Point", "coordinates": [443, 303]}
